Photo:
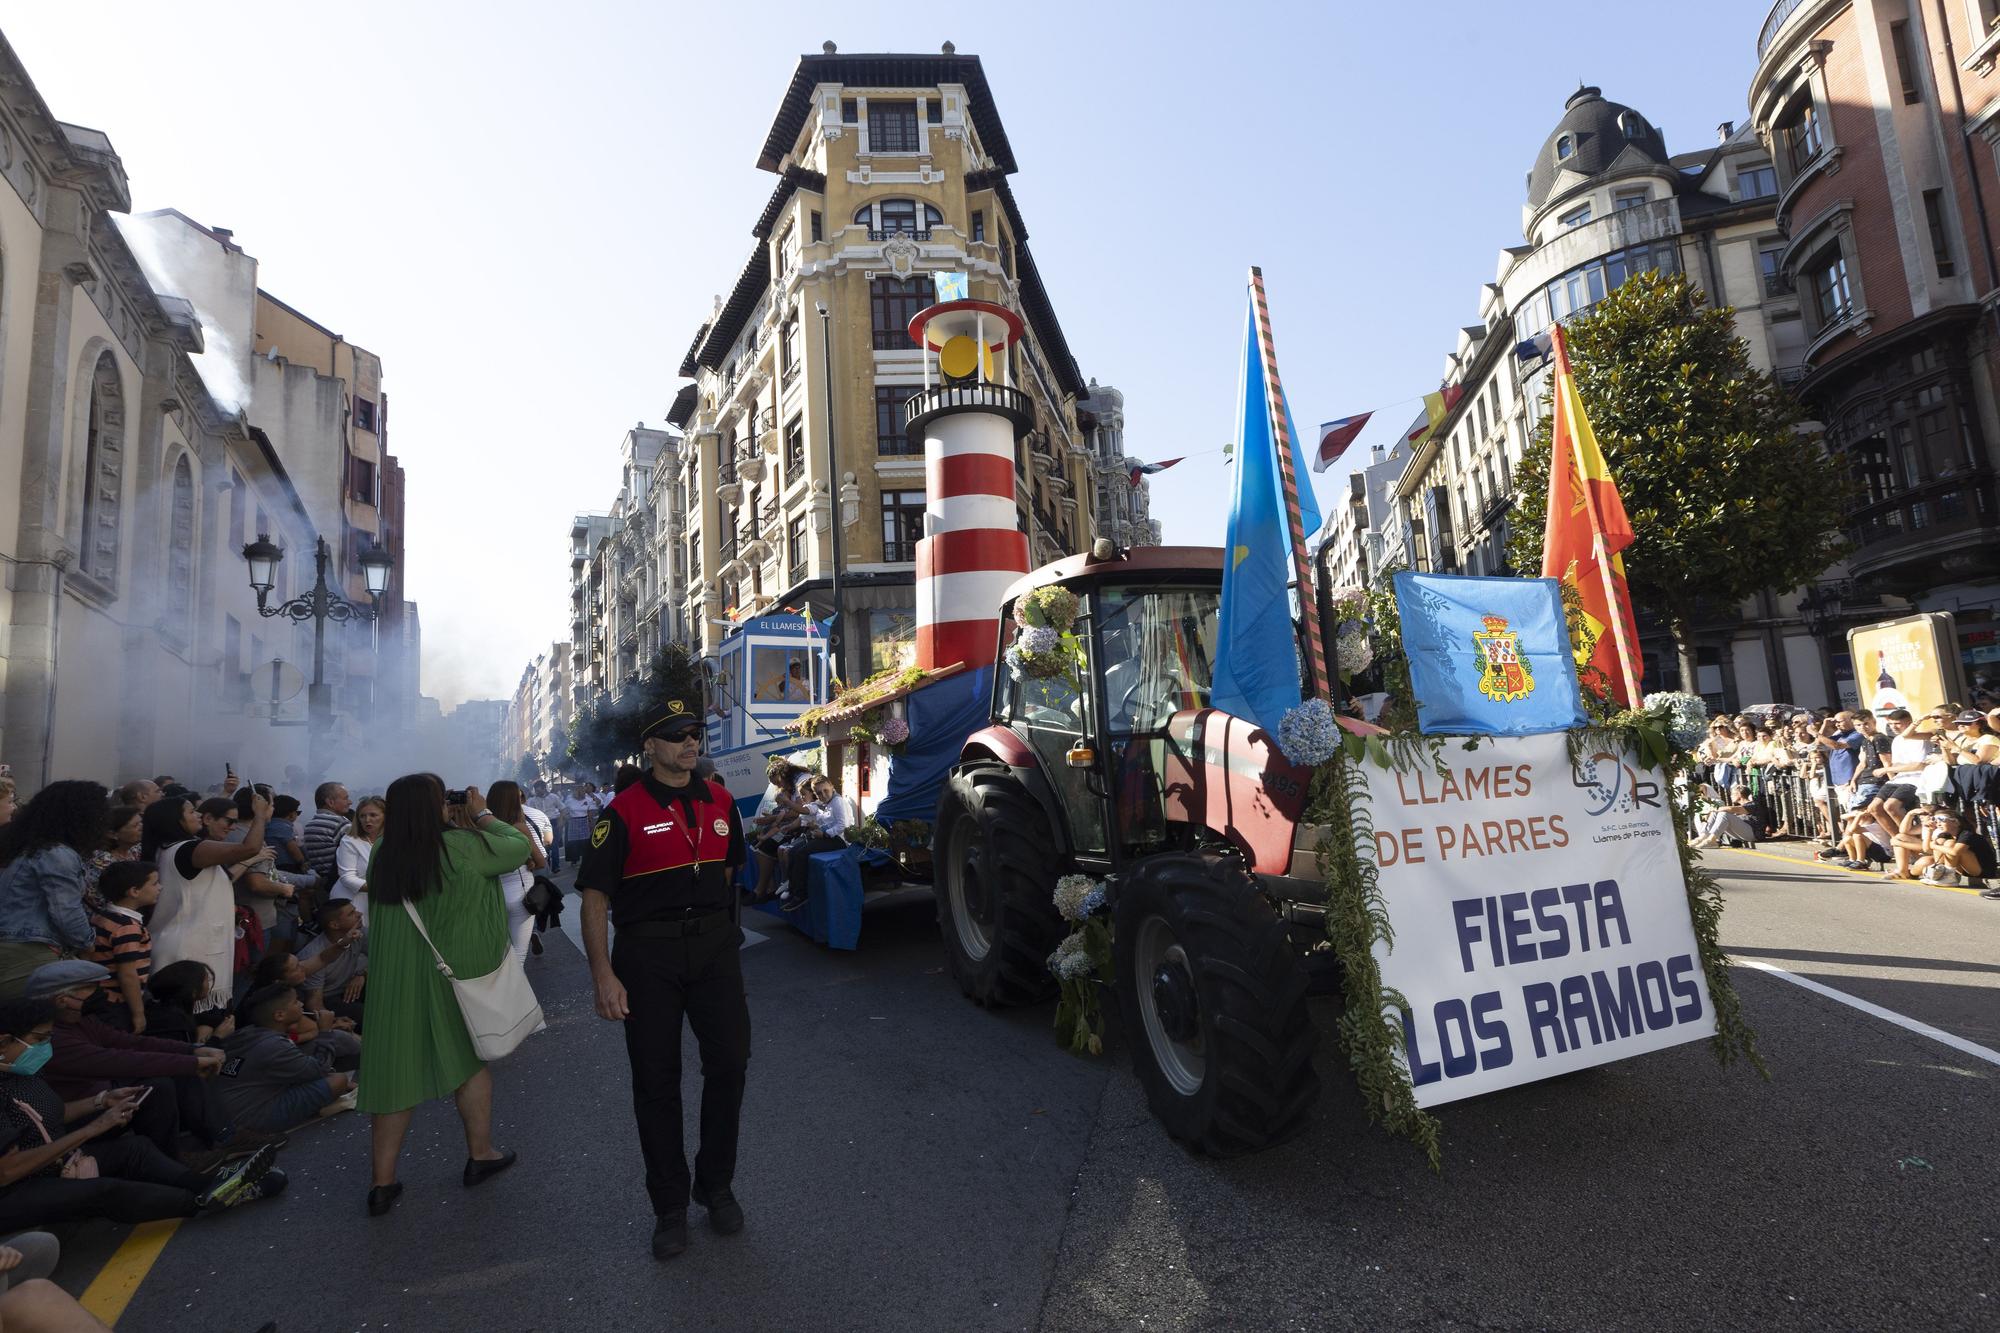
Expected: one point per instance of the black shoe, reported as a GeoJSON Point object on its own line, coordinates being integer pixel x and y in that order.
{"type": "Point", "coordinates": [670, 1236]}
{"type": "Point", "coordinates": [725, 1215]}
{"type": "Point", "coordinates": [535, 944]}
{"type": "Point", "coordinates": [1993, 893]}
{"type": "Point", "coordinates": [383, 1197]}
{"type": "Point", "coordinates": [273, 1184]}
{"type": "Point", "coordinates": [477, 1171]}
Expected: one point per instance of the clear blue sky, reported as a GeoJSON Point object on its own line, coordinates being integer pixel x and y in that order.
{"type": "Point", "coordinates": [525, 209]}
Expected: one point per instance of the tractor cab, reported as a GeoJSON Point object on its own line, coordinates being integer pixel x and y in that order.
{"type": "Point", "coordinates": [1103, 740]}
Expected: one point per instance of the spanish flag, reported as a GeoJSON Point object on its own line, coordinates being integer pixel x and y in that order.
{"type": "Point", "coordinates": [1587, 528]}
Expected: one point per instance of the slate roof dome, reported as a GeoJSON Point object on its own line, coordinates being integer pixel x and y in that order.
{"type": "Point", "coordinates": [1590, 138]}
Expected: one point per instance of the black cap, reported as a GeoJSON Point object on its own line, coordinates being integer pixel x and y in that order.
{"type": "Point", "coordinates": [675, 717]}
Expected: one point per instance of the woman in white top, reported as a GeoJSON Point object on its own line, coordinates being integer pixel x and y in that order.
{"type": "Point", "coordinates": [351, 856]}
{"type": "Point", "coordinates": [195, 917]}
{"type": "Point", "coordinates": [830, 815]}
{"type": "Point", "coordinates": [504, 800]}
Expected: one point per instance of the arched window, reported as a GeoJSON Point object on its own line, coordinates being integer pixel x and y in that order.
{"type": "Point", "coordinates": [99, 524]}
{"type": "Point", "coordinates": [180, 552]}
{"type": "Point", "coordinates": [1565, 147]}
{"type": "Point", "coordinates": [889, 217]}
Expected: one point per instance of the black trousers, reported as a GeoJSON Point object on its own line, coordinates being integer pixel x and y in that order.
{"type": "Point", "coordinates": [798, 861]}
{"type": "Point", "coordinates": [701, 977]}
{"type": "Point", "coordinates": [136, 1182]}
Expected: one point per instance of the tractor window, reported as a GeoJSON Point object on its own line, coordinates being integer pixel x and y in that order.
{"type": "Point", "coordinates": [1156, 649]}
{"type": "Point", "coordinates": [1052, 716]}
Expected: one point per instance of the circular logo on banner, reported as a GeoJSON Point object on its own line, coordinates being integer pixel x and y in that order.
{"type": "Point", "coordinates": [600, 833]}
{"type": "Point", "coordinates": [722, 828]}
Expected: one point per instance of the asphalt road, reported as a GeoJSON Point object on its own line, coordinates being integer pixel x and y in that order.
{"type": "Point", "coordinates": [911, 1162]}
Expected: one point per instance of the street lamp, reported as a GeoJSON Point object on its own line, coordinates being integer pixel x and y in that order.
{"type": "Point", "coordinates": [836, 634]}
{"type": "Point", "coordinates": [1819, 609]}
{"type": "Point", "coordinates": [319, 605]}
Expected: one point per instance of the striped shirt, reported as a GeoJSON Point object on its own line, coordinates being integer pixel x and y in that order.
{"type": "Point", "coordinates": [320, 841]}
{"type": "Point", "coordinates": [121, 938]}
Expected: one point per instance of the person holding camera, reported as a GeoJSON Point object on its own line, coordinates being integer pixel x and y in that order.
{"type": "Point", "coordinates": [418, 1047]}
{"type": "Point", "coordinates": [661, 862]}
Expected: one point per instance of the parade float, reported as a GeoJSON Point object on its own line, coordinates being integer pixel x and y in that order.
{"type": "Point", "coordinates": [1152, 786]}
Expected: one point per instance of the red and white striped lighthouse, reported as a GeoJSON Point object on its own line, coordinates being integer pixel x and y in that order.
{"type": "Point", "coordinates": [971, 422]}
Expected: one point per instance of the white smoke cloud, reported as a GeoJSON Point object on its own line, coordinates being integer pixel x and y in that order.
{"type": "Point", "coordinates": [223, 357]}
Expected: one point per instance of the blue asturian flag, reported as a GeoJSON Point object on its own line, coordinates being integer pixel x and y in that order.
{"type": "Point", "coordinates": [1256, 654]}
{"type": "Point", "coordinates": [1488, 656]}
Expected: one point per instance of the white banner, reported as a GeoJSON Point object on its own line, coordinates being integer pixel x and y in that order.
{"type": "Point", "coordinates": [1540, 916]}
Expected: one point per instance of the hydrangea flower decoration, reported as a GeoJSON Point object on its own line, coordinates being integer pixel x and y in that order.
{"type": "Point", "coordinates": [1050, 607]}
{"type": "Point", "coordinates": [1352, 651]}
{"type": "Point", "coordinates": [1687, 716]}
{"type": "Point", "coordinates": [1071, 960]}
{"type": "Point", "coordinates": [1308, 734]}
{"type": "Point", "coordinates": [893, 732]}
{"type": "Point", "coordinates": [1071, 891]}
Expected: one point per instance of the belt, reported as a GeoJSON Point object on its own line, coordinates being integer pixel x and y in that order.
{"type": "Point", "coordinates": [674, 930]}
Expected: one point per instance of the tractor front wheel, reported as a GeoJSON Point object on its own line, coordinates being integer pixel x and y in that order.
{"type": "Point", "coordinates": [995, 886]}
{"type": "Point", "coordinates": [1214, 1000]}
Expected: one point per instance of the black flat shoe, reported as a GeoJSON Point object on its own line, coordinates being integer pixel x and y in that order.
{"type": "Point", "coordinates": [477, 1171]}
{"type": "Point", "coordinates": [383, 1197]}
{"type": "Point", "coordinates": [725, 1215]}
{"type": "Point", "coordinates": [670, 1236]}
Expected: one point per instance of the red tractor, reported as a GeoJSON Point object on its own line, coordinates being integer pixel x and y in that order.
{"type": "Point", "coordinates": [1189, 815]}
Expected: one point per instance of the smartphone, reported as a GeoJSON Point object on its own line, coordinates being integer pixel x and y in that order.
{"type": "Point", "coordinates": [144, 1093]}
{"type": "Point", "coordinates": [228, 769]}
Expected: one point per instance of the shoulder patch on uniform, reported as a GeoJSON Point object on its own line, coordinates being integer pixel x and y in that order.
{"type": "Point", "coordinates": [600, 833]}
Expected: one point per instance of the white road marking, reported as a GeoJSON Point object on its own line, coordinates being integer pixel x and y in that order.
{"type": "Point", "coordinates": [1957, 1043]}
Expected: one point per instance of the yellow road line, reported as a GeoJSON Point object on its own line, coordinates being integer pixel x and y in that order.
{"type": "Point", "coordinates": [1875, 875]}
{"type": "Point", "coordinates": [112, 1290]}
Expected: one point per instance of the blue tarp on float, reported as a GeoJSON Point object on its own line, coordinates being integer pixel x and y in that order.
{"type": "Point", "coordinates": [941, 715]}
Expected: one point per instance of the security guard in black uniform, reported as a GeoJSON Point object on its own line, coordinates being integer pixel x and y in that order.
{"type": "Point", "coordinates": [660, 862]}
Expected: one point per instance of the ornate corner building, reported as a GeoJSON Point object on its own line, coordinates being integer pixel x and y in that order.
{"type": "Point", "coordinates": [890, 169]}
{"type": "Point", "coordinates": [1882, 118]}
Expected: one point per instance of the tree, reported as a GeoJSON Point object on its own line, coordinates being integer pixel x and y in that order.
{"type": "Point", "coordinates": [605, 732]}
{"type": "Point", "coordinates": [1726, 495]}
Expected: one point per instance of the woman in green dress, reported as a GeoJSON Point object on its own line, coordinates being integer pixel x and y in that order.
{"type": "Point", "coordinates": [417, 1047]}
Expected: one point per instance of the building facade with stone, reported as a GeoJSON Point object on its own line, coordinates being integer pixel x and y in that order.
{"type": "Point", "coordinates": [1605, 200]}
{"type": "Point", "coordinates": [1123, 509]}
{"type": "Point", "coordinates": [1883, 122]}
{"type": "Point", "coordinates": [889, 169]}
{"type": "Point", "coordinates": [138, 461]}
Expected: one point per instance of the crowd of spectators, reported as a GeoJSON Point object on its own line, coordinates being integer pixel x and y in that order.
{"type": "Point", "coordinates": [1917, 797]}
{"type": "Point", "coordinates": [183, 984]}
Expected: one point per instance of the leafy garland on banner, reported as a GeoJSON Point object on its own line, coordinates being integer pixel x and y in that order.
{"type": "Point", "coordinates": [1663, 734]}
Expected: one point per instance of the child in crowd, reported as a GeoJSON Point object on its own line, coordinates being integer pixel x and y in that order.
{"type": "Point", "coordinates": [128, 889]}
{"type": "Point", "coordinates": [177, 1007]}
{"type": "Point", "coordinates": [267, 1083]}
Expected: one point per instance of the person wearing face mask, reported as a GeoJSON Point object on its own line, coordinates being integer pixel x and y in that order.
{"type": "Point", "coordinates": [67, 1161]}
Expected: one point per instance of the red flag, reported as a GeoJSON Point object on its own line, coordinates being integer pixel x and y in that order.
{"type": "Point", "coordinates": [1148, 469]}
{"type": "Point", "coordinates": [1586, 529]}
{"type": "Point", "coordinates": [1335, 436]}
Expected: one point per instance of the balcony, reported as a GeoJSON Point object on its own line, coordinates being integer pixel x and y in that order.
{"type": "Point", "coordinates": [974, 395]}
{"type": "Point", "coordinates": [1773, 21]}
{"type": "Point", "coordinates": [879, 236]}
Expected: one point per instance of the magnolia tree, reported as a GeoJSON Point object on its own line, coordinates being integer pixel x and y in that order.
{"type": "Point", "coordinates": [1726, 494]}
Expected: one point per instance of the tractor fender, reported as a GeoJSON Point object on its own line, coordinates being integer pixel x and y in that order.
{"type": "Point", "coordinates": [998, 745]}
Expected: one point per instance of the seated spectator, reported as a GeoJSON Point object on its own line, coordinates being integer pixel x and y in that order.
{"type": "Point", "coordinates": [268, 1083]}
{"type": "Point", "coordinates": [128, 890]}
{"type": "Point", "coordinates": [318, 1026]}
{"type": "Point", "coordinates": [1955, 855]}
{"type": "Point", "coordinates": [337, 959]}
{"type": "Point", "coordinates": [281, 834]}
{"type": "Point", "coordinates": [177, 1008]}
{"type": "Point", "coordinates": [121, 844]}
{"type": "Point", "coordinates": [1909, 843]}
{"type": "Point", "coordinates": [53, 1173]}
{"type": "Point", "coordinates": [823, 824]}
{"type": "Point", "coordinates": [1732, 820]}
{"type": "Point", "coordinates": [1865, 837]}
{"type": "Point", "coordinates": [87, 1057]}
{"type": "Point", "coordinates": [776, 819]}
{"type": "Point", "coordinates": [196, 916]}
{"type": "Point", "coordinates": [37, 1305]}
{"type": "Point", "coordinates": [42, 917]}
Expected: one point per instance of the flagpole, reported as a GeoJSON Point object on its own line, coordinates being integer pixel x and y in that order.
{"type": "Point", "coordinates": [1317, 681]}
{"type": "Point", "coordinates": [1598, 551]}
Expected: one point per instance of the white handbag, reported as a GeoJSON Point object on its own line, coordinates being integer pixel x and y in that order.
{"type": "Point", "coordinates": [500, 1008]}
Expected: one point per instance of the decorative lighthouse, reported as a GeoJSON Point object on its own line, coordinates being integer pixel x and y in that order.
{"type": "Point", "coordinates": [971, 422]}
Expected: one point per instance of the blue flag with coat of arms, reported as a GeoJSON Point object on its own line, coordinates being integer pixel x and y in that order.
{"type": "Point", "coordinates": [1256, 653]}
{"type": "Point", "coordinates": [1488, 656]}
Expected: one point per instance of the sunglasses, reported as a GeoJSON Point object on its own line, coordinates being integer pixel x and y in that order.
{"type": "Point", "coordinates": [677, 737]}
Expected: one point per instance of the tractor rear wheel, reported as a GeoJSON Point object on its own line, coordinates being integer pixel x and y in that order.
{"type": "Point", "coordinates": [1214, 1000]}
{"type": "Point", "coordinates": [995, 888]}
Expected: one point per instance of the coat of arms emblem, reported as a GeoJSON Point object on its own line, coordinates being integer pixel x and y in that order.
{"type": "Point", "coordinates": [1503, 672]}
